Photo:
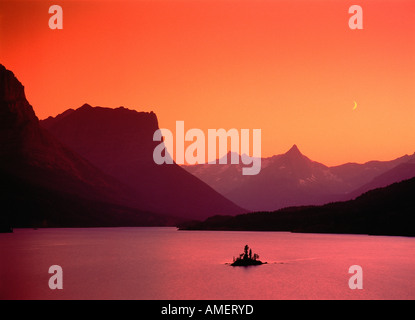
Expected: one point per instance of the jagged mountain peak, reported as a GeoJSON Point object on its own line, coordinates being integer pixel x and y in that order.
{"type": "Point", "coordinates": [85, 106]}
{"type": "Point", "coordinates": [294, 151]}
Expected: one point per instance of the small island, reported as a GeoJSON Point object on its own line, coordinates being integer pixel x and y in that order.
{"type": "Point", "coordinates": [247, 259]}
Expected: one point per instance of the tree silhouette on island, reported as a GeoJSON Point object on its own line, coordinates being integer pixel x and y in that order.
{"type": "Point", "coordinates": [247, 259]}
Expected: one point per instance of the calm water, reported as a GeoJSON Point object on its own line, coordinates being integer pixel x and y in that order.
{"type": "Point", "coordinates": [163, 263]}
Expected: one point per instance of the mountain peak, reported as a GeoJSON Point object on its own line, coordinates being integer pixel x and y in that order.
{"type": "Point", "coordinates": [294, 151]}
{"type": "Point", "coordinates": [85, 106]}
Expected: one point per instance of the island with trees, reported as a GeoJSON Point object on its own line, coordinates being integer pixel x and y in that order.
{"type": "Point", "coordinates": [247, 258]}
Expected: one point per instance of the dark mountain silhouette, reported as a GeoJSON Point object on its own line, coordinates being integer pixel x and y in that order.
{"type": "Point", "coordinates": [399, 173]}
{"type": "Point", "coordinates": [292, 179]}
{"type": "Point", "coordinates": [44, 183]}
{"type": "Point", "coordinates": [120, 143]}
{"type": "Point", "coordinates": [355, 175]}
{"type": "Point", "coordinates": [48, 122]}
{"type": "Point", "coordinates": [383, 211]}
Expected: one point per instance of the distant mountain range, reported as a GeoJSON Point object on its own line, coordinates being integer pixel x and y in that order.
{"type": "Point", "coordinates": [94, 166]}
{"type": "Point", "coordinates": [383, 211]}
{"type": "Point", "coordinates": [292, 179]}
{"type": "Point", "coordinates": [107, 179]}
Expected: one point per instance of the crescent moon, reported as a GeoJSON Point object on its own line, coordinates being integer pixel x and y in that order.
{"type": "Point", "coordinates": [355, 105]}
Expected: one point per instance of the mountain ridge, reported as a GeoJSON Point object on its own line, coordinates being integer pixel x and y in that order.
{"type": "Point", "coordinates": [45, 183]}
{"type": "Point", "coordinates": [382, 211]}
{"type": "Point", "coordinates": [120, 142]}
{"type": "Point", "coordinates": [292, 179]}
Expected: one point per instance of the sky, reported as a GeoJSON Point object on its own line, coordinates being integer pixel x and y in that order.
{"type": "Point", "coordinates": [293, 69]}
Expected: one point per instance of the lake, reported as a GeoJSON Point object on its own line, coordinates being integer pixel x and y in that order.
{"type": "Point", "coordinates": [164, 263]}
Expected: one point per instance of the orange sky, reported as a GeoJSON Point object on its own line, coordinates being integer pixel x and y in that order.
{"type": "Point", "coordinates": [290, 68]}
